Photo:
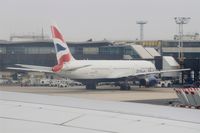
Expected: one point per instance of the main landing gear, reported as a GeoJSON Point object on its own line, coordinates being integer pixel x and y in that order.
{"type": "Point", "coordinates": [91, 86]}
{"type": "Point", "coordinates": [125, 86]}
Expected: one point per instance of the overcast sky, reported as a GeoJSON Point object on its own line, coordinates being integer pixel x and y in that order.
{"type": "Point", "coordinates": [80, 20]}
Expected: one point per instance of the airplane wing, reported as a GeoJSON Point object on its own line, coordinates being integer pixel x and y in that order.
{"type": "Point", "coordinates": [127, 75]}
{"type": "Point", "coordinates": [159, 72]}
{"type": "Point", "coordinates": [25, 113]}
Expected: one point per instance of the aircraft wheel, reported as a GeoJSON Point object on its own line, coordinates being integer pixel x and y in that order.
{"type": "Point", "coordinates": [125, 87]}
{"type": "Point", "coordinates": [91, 86]}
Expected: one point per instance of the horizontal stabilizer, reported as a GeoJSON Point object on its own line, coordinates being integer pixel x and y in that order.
{"type": "Point", "coordinates": [33, 66]}
{"type": "Point", "coordinates": [31, 69]}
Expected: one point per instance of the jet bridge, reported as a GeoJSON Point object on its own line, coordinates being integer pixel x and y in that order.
{"type": "Point", "coordinates": [142, 52]}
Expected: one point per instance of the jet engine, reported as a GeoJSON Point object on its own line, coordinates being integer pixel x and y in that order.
{"type": "Point", "coordinates": [149, 81]}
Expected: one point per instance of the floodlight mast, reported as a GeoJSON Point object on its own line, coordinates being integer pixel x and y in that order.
{"type": "Point", "coordinates": [181, 21]}
{"type": "Point", "coordinates": [141, 23]}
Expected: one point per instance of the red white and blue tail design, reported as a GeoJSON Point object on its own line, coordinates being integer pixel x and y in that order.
{"type": "Point", "coordinates": [63, 53]}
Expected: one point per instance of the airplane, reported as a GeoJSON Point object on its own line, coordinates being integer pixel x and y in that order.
{"type": "Point", "coordinates": [26, 112]}
{"type": "Point", "coordinates": [92, 72]}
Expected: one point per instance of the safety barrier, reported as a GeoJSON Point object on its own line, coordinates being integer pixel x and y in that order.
{"type": "Point", "coordinates": [189, 96]}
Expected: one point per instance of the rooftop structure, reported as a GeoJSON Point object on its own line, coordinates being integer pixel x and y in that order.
{"type": "Point", "coordinates": [141, 23]}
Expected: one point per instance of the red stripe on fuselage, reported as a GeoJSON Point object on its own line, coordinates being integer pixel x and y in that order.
{"type": "Point", "coordinates": [57, 34]}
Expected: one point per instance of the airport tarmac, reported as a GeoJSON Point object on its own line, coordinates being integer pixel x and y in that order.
{"type": "Point", "coordinates": [161, 96]}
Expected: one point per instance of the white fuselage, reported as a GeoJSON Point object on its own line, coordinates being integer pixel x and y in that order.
{"type": "Point", "coordinates": [106, 69]}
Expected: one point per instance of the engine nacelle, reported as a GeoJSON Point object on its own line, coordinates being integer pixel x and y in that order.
{"type": "Point", "coordinates": [149, 81]}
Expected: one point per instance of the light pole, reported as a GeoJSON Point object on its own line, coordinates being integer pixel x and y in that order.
{"type": "Point", "coordinates": [181, 21]}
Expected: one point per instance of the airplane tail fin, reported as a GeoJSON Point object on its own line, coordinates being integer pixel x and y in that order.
{"type": "Point", "coordinates": [63, 53]}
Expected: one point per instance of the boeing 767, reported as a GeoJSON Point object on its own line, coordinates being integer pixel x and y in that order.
{"type": "Point", "coordinates": [92, 72]}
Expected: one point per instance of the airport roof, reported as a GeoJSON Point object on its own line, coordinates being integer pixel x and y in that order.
{"type": "Point", "coordinates": [92, 43]}
{"type": "Point", "coordinates": [86, 43]}
{"type": "Point", "coordinates": [24, 42]}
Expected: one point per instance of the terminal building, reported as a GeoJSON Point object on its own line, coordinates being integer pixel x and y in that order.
{"type": "Point", "coordinates": [42, 52]}
{"type": "Point", "coordinates": [191, 51]}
